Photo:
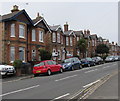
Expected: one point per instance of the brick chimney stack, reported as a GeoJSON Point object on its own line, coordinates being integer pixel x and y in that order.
{"type": "Point", "coordinates": [15, 8]}
{"type": "Point", "coordinates": [88, 32]}
{"type": "Point", "coordinates": [66, 27]}
{"type": "Point", "coordinates": [85, 32]}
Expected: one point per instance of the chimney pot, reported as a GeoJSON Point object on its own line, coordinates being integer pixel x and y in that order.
{"type": "Point", "coordinates": [15, 8]}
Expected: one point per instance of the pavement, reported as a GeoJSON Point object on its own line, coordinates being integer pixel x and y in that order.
{"type": "Point", "coordinates": [57, 86]}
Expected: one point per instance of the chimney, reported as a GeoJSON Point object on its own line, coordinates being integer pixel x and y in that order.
{"type": "Point", "coordinates": [88, 32]}
{"type": "Point", "coordinates": [85, 32]}
{"type": "Point", "coordinates": [66, 27]}
{"type": "Point", "coordinates": [15, 8]}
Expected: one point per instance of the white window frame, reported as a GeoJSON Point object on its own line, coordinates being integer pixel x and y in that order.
{"type": "Point", "coordinates": [58, 37]}
{"type": "Point", "coordinates": [23, 54]}
{"type": "Point", "coordinates": [71, 41]}
{"type": "Point", "coordinates": [21, 28]}
{"type": "Point", "coordinates": [33, 35]}
{"type": "Point", "coordinates": [78, 38]}
{"type": "Point", "coordinates": [12, 54]}
{"type": "Point", "coordinates": [41, 36]}
{"type": "Point", "coordinates": [61, 39]}
{"type": "Point", "coordinates": [12, 33]}
{"type": "Point", "coordinates": [53, 37]}
{"type": "Point", "coordinates": [67, 41]}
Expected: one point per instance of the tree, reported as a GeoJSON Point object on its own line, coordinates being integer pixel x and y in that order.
{"type": "Point", "coordinates": [82, 46]}
{"type": "Point", "coordinates": [45, 55]}
{"type": "Point", "coordinates": [102, 49]}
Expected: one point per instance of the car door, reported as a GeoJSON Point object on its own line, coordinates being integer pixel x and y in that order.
{"type": "Point", "coordinates": [56, 66]}
{"type": "Point", "coordinates": [50, 66]}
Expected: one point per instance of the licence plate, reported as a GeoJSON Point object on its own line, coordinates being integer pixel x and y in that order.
{"type": "Point", "coordinates": [38, 71]}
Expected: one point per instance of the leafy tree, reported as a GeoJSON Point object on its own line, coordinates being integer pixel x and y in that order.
{"type": "Point", "coordinates": [45, 55]}
{"type": "Point", "coordinates": [82, 46]}
{"type": "Point", "coordinates": [102, 49]}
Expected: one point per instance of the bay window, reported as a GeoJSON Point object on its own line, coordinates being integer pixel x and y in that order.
{"type": "Point", "coordinates": [33, 35]}
{"type": "Point", "coordinates": [41, 36]}
{"type": "Point", "coordinates": [22, 53]}
{"type": "Point", "coordinates": [12, 30]}
{"type": "Point", "coordinates": [53, 37]}
{"type": "Point", "coordinates": [21, 31]}
{"type": "Point", "coordinates": [12, 54]}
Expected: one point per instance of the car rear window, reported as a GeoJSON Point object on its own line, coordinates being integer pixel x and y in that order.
{"type": "Point", "coordinates": [49, 62]}
{"type": "Point", "coordinates": [40, 64]}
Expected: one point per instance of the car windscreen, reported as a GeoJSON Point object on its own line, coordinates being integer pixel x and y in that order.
{"type": "Point", "coordinates": [67, 60]}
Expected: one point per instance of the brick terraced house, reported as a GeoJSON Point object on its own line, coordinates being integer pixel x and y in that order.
{"type": "Point", "coordinates": [21, 38]}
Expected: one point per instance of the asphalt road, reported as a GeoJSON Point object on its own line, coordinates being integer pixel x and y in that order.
{"type": "Point", "coordinates": [57, 86]}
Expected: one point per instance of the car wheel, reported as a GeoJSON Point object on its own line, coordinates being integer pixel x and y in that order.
{"type": "Point", "coordinates": [88, 65]}
{"type": "Point", "coordinates": [49, 72]}
{"type": "Point", "coordinates": [72, 68]}
{"type": "Point", "coordinates": [80, 67]}
{"type": "Point", "coordinates": [61, 70]}
{"type": "Point", "coordinates": [94, 64]}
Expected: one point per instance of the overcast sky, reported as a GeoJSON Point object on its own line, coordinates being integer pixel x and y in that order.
{"type": "Point", "coordinates": [100, 18]}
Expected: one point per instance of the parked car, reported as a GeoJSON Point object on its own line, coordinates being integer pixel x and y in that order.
{"type": "Point", "coordinates": [7, 70]}
{"type": "Point", "coordinates": [72, 64]}
{"type": "Point", "coordinates": [116, 58]}
{"type": "Point", "coordinates": [88, 62]}
{"type": "Point", "coordinates": [47, 66]}
{"type": "Point", "coordinates": [110, 59]}
{"type": "Point", "coordinates": [98, 60]}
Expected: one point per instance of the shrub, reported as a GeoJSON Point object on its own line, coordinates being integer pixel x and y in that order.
{"type": "Point", "coordinates": [17, 63]}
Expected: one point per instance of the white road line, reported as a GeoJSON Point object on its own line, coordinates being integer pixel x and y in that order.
{"type": "Point", "coordinates": [62, 96]}
{"type": "Point", "coordinates": [91, 70]}
{"type": "Point", "coordinates": [19, 90]}
{"type": "Point", "coordinates": [66, 78]}
{"type": "Point", "coordinates": [106, 67]}
{"type": "Point", "coordinates": [91, 84]}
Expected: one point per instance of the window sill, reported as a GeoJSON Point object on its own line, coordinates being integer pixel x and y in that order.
{"type": "Point", "coordinates": [41, 41]}
{"type": "Point", "coordinates": [12, 36]}
{"type": "Point", "coordinates": [22, 37]}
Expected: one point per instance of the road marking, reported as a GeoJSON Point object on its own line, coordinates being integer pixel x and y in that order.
{"type": "Point", "coordinates": [106, 67]}
{"type": "Point", "coordinates": [91, 84]}
{"type": "Point", "coordinates": [66, 78]}
{"type": "Point", "coordinates": [62, 96]}
{"type": "Point", "coordinates": [91, 71]}
{"type": "Point", "coordinates": [19, 90]}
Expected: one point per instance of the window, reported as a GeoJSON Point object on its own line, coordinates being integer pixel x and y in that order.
{"type": "Point", "coordinates": [67, 43]}
{"type": "Point", "coordinates": [54, 62]}
{"type": "Point", "coordinates": [70, 41]}
{"type": "Point", "coordinates": [12, 30]}
{"type": "Point", "coordinates": [77, 38]}
{"type": "Point", "coordinates": [40, 64]}
{"type": "Point", "coordinates": [58, 37]}
{"type": "Point", "coordinates": [21, 31]}
{"type": "Point", "coordinates": [33, 55]}
{"type": "Point", "coordinates": [92, 42]}
{"type": "Point", "coordinates": [49, 62]}
{"type": "Point", "coordinates": [59, 55]}
{"type": "Point", "coordinates": [54, 37]}
{"type": "Point", "coordinates": [12, 54]}
{"type": "Point", "coordinates": [61, 39]}
{"type": "Point", "coordinates": [33, 35]}
{"type": "Point", "coordinates": [41, 36]}
{"type": "Point", "coordinates": [22, 53]}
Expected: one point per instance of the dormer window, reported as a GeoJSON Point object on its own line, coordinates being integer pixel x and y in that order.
{"type": "Point", "coordinates": [12, 30]}
{"type": "Point", "coordinates": [67, 43]}
{"type": "Point", "coordinates": [21, 31]}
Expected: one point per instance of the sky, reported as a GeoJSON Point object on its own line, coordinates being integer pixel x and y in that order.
{"type": "Point", "coordinates": [99, 17]}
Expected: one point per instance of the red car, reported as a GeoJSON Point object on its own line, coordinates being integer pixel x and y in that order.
{"type": "Point", "coordinates": [47, 66]}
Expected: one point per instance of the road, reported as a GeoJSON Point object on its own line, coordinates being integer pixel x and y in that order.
{"type": "Point", "coordinates": [58, 86]}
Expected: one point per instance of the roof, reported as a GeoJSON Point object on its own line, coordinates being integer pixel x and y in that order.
{"type": "Point", "coordinates": [86, 35]}
{"type": "Point", "coordinates": [69, 32]}
{"type": "Point", "coordinates": [38, 20]}
{"type": "Point", "coordinates": [94, 36]}
{"type": "Point", "coordinates": [54, 28]}
{"type": "Point", "coordinates": [13, 15]}
{"type": "Point", "coordinates": [78, 33]}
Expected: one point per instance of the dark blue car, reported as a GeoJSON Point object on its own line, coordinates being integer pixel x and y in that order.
{"type": "Point", "coordinates": [71, 64]}
{"type": "Point", "coordinates": [88, 62]}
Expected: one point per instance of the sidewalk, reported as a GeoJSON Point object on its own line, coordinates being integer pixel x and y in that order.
{"type": "Point", "coordinates": [109, 90]}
